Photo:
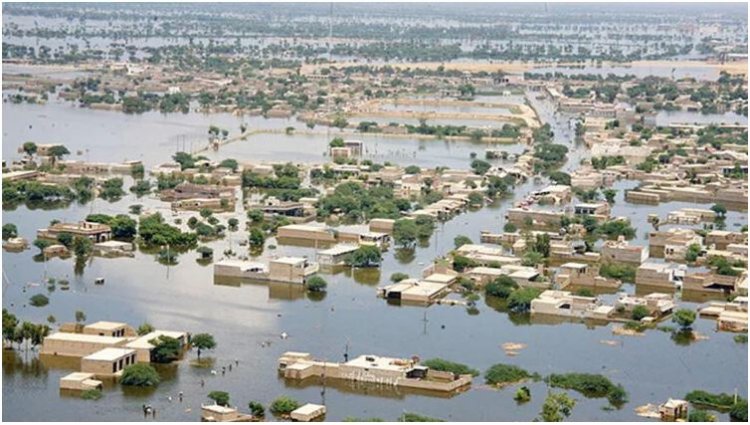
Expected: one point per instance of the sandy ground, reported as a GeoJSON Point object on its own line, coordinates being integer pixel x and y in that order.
{"type": "Point", "coordinates": [520, 67]}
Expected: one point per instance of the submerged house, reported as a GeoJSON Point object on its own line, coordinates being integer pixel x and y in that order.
{"type": "Point", "coordinates": [405, 373]}
{"type": "Point", "coordinates": [96, 232]}
{"type": "Point", "coordinates": [284, 269]}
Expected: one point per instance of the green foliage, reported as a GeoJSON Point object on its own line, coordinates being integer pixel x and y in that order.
{"type": "Point", "coordinates": [257, 409]}
{"type": "Point", "coordinates": [504, 374]}
{"type": "Point", "coordinates": [480, 167]}
{"type": "Point", "coordinates": [416, 417]}
{"type": "Point", "coordinates": [522, 395]}
{"type": "Point", "coordinates": [166, 349]}
{"type": "Point", "coordinates": [38, 300]}
{"type": "Point", "coordinates": [461, 240]}
{"type": "Point", "coordinates": [316, 284]}
{"type": "Point", "coordinates": [140, 375]}
{"type": "Point", "coordinates": [590, 385]}
{"type": "Point", "coordinates": [738, 412]}
{"type": "Point", "coordinates": [510, 227]}
{"type": "Point", "coordinates": [584, 292]}
{"type": "Point", "coordinates": [620, 271]}
{"type": "Point", "coordinates": [358, 419]}
{"type": "Point", "coordinates": [740, 339]}
{"type": "Point", "coordinates": [284, 405]}
{"type": "Point", "coordinates": [405, 232]}
{"type": "Point", "coordinates": [257, 238]}
{"type": "Point", "coordinates": [448, 366]}
{"type": "Point", "coordinates": [501, 287]}
{"type": "Point", "coordinates": [692, 253]}
{"type": "Point", "coordinates": [398, 277]}
{"type": "Point", "coordinates": [359, 203]}
{"type": "Point", "coordinates": [559, 177]}
{"type": "Point", "coordinates": [9, 231]}
{"type": "Point", "coordinates": [614, 228]}
{"type": "Point", "coordinates": [639, 312]}
{"type": "Point", "coordinates": [697, 415]}
{"type": "Point", "coordinates": [461, 263]}
{"type": "Point", "coordinates": [722, 401]}
{"type": "Point", "coordinates": [220, 397]}
{"type": "Point", "coordinates": [365, 256]}
{"type": "Point", "coordinates": [91, 394]}
{"type": "Point", "coordinates": [82, 246]}
{"type": "Point", "coordinates": [520, 300]}
{"type": "Point", "coordinates": [203, 341]}
{"type": "Point", "coordinates": [412, 169]}
{"type": "Point", "coordinates": [155, 232]}
{"type": "Point", "coordinates": [684, 318]}
{"type": "Point", "coordinates": [144, 329]}
{"type": "Point", "coordinates": [111, 189]}
{"type": "Point", "coordinates": [557, 407]}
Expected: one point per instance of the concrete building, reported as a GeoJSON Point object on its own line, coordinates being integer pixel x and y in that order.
{"type": "Point", "coordinates": [307, 232]}
{"type": "Point", "coordinates": [216, 413]}
{"type": "Point", "coordinates": [659, 305]}
{"type": "Point", "coordinates": [96, 232]}
{"type": "Point", "coordinates": [308, 412]}
{"type": "Point", "coordinates": [620, 251]}
{"type": "Point", "coordinates": [414, 291]}
{"type": "Point", "coordinates": [655, 275]}
{"type": "Point", "coordinates": [108, 362]}
{"type": "Point", "coordinates": [565, 304]}
{"type": "Point", "coordinates": [143, 346]}
{"type": "Point", "coordinates": [80, 381]}
{"type": "Point", "coordinates": [485, 255]}
{"type": "Point", "coordinates": [285, 269]}
{"type": "Point", "coordinates": [78, 345]}
{"type": "Point", "coordinates": [536, 218]}
{"type": "Point", "coordinates": [187, 190]}
{"type": "Point", "coordinates": [730, 316]}
{"type": "Point", "coordinates": [406, 373]}
{"type": "Point", "coordinates": [712, 282]}
{"type": "Point", "coordinates": [335, 256]}
{"type": "Point", "coordinates": [720, 239]}
{"type": "Point", "coordinates": [659, 241]}
{"type": "Point", "coordinates": [579, 274]}
{"type": "Point", "coordinates": [113, 329]}
{"type": "Point", "coordinates": [114, 248]}
{"type": "Point", "coordinates": [599, 210]}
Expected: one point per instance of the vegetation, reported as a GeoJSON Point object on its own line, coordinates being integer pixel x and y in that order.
{"type": "Point", "coordinates": [448, 366]}
{"type": "Point", "coordinates": [284, 405]}
{"type": "Point", "coordinates": [154, 231]}
{"type": "Point", "coordinates": [697, 415]}
{"type": "Point", "coordinates": [144, 329]}
{"type": "Point", "coordinates": [166, 349]}
{"type": "Point", "coordinates": [590, 385]}
{"type": "Point", "coordinates": [203, 341]}
{"type": "Point", "coordinates": [257, 409]}
{"type": "Point", "coordinates": [9, 231]}
{"type": "Point", "coordinates": [365, 256]}
{"type": "Point", "coordinates": [461, 240]}
{"type": "Point", "coordinates": [522, 395]}
{"type": "Point", "coordinates": [504, 374]}
{"type": "Point", "coordinates": [556, 407]}
{"type": "Point", "coordinates": [38, 300]}
{"type": "Point", "coordinates": [501, 287]}
{"type": "Point", "coordinates": [140, 375]}
{"type": "Point", "coordinates": [416, 417]}
{"type": "Point", "coordinates": [220, 397]}
{"type": "Point", "coordinates": [520, 300]}
{"type": "Point", "coordinates": [91, 394]}
{"type": "Point", "coordinates": [316, 284]}
{"type": "Point", "coordinates": [398, 277]}
{"type": "Point", "coordinates": [639, 312]}
{"type": "Point", "coordinates": [684, 318]}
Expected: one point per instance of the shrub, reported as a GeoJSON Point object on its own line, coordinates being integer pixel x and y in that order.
{"type": "Point", "coordinates": [520, 300]}
{"type": "Point", "coordinates": [522, 395]}
{"type": "Point", "coordinates": [284, 405]}
{"type": "Point", "coordinates": [257, 409]}
{"type": "Point", "coordinates": [398, 277]}
{"type": "Point", "coordinates": [738, 413]}
{"type": "Point", "coordinates": [316, 284]}
{"type": "Point", "coordinates": [503, 374]}
{"type": "Point", "coordinates": [448, 366]}
{"type": "Point", "coordinates": [590, 385]}
{"type": "Point", "coordinates": [220, 397]}
{"type": "Point", "coordinates": [39, 300]}
{"type": "Point", "coordinates": [684, 318]}
{"type": "Point", "coordinates": [501, 287]}
{"type": "Point", "coordinates": [461, 240]}
{"type": "Point", "coordinates": [91, 394]}
{"type": "Point", "coordinates": [697, 415]}
{"type": "Point", "coordinates": [639, 312]}
{"type": "Point", "coordinates": [416, 417]}
{"type": "Point", "coordinates": [140, 375]}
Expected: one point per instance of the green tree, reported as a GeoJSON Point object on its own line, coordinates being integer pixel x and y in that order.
{"type": "Point", "coordinates": [520, 300]}
{"type": "Point", "coordinates": [9, 231]}
{"type": "Point", "coordinates": [480, 167]}
{"type": "Point", "coordinates": [29, 148]}
{"type": "Point", "coordinates": [720, 210]}
{"type": "Point", "coordinates": [522, 395]}
{"type": "Point", "coordinates": [166, 349]}
{"type": "Point", "coordinates": [65, 238]}
{"type": "Point", "coordinates": [257, 238]}
{"type": "Point", "coordinates": [398, 277]}
{"type": "Point", "coordinates": [144, 329]}
{"type": "Point", "coordinates": [57, 152]}
{"type": "Point", "coordinates": [502, 374]}
{"type": "Point", "coordinates": [639, 312]}
{"type": "Point", "coordinates": [501, 287]}
{"type": "Point", "coordinates": [203, 341]}
{"type": "Point", "coordinates": [461, 240]}
{"type": "Point", "coordinates": [140, 375]}
{"type": "Point", "coordinates": [405, 232]}
{"type": "Point", "coordinates": [80, 316]}
{"type": "Point", "coordinates": [697, 415]}
{"type": "Point", "coordinates": [365, 256]}
{"type": "Point", "coordinates": [609, 195]}
{"type": "Point", "coordinates": [684, 318]}
{"type": "Point", "coordinates": [284, 405]}
{"type": "Point", "coordinates": [220, 397]}
{"type": "Point", "coordinates": [41, 244]}
{"type": "Point", "coordinates": [38, 300]}
{"type": "Point", "coordinates": [449, 366]}
{"type": "Point", "coordinates": [556, 407]}
{"type": "Point", "coordinates": [257, 409]}
{"type": "Point", "coordinates": [82, 246]}
{"type": "Point", "coordinates": [316, 284]}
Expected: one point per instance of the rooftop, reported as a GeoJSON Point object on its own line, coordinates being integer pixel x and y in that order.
{"type": "Point", "coordinates": [110, 326]}
{"type": "Point", "coordinates": [94, 339]}
{"type": "Point", "coordinates": [109, 354]}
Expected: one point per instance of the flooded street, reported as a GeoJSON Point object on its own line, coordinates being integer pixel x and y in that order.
{"type": "Point", "coordinates": [247, 320]}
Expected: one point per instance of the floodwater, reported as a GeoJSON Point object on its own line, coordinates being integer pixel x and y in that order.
{"type": "Point", "coordinates": [244, 317]}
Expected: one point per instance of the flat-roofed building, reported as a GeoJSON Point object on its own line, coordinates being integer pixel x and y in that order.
{"type": "Point", "coordinates": [537, 218]}
{"type": "Point", "coordinates": [655, 275]}
{"type": "Point", "coordinates": [579, 274]}
{"type": "Point", "coordinates": [415, 291]}
{"type": "Point", "coordinates": [307, 232]}
{"type": "Point", "coordinates": [216, 413]}
{"type": "Point", "coordinates": [720, 239]}
{"type": "Point", "coordinates": [597, 209]}
{"type": "Point", "coordinates": [565, 304]}
{"type": "Point", "coordinates": [108, 362]}
{"type": "Point", "coordinates": [241, 269]}
{"type": "Point", "coordinates": [103, 328]}
{"type": "Point", "coordinates": [78, 345]}
{"type": "Point", "coordinates": [486, 255]}
{"type": "Point", "coordinates": [713, 282]}
{"type": "Point", "coordinates": [621, 251]}
{"type": "Point", "coordinates": [96, 232]}
{"type": "Point", "coordinates": [291, 269]}
{"type": "Point", "coordinates": [308, 412]}
{"type": "Point", "coordinates": [143, 346]}
{"type": "Point", "coordinates": [80, 381]}
{"type": "Point", "coordinates": [336, 256]}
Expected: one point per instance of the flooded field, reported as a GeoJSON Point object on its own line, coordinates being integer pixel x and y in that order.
{"type": "Point", "coordinates": [247, 319]}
